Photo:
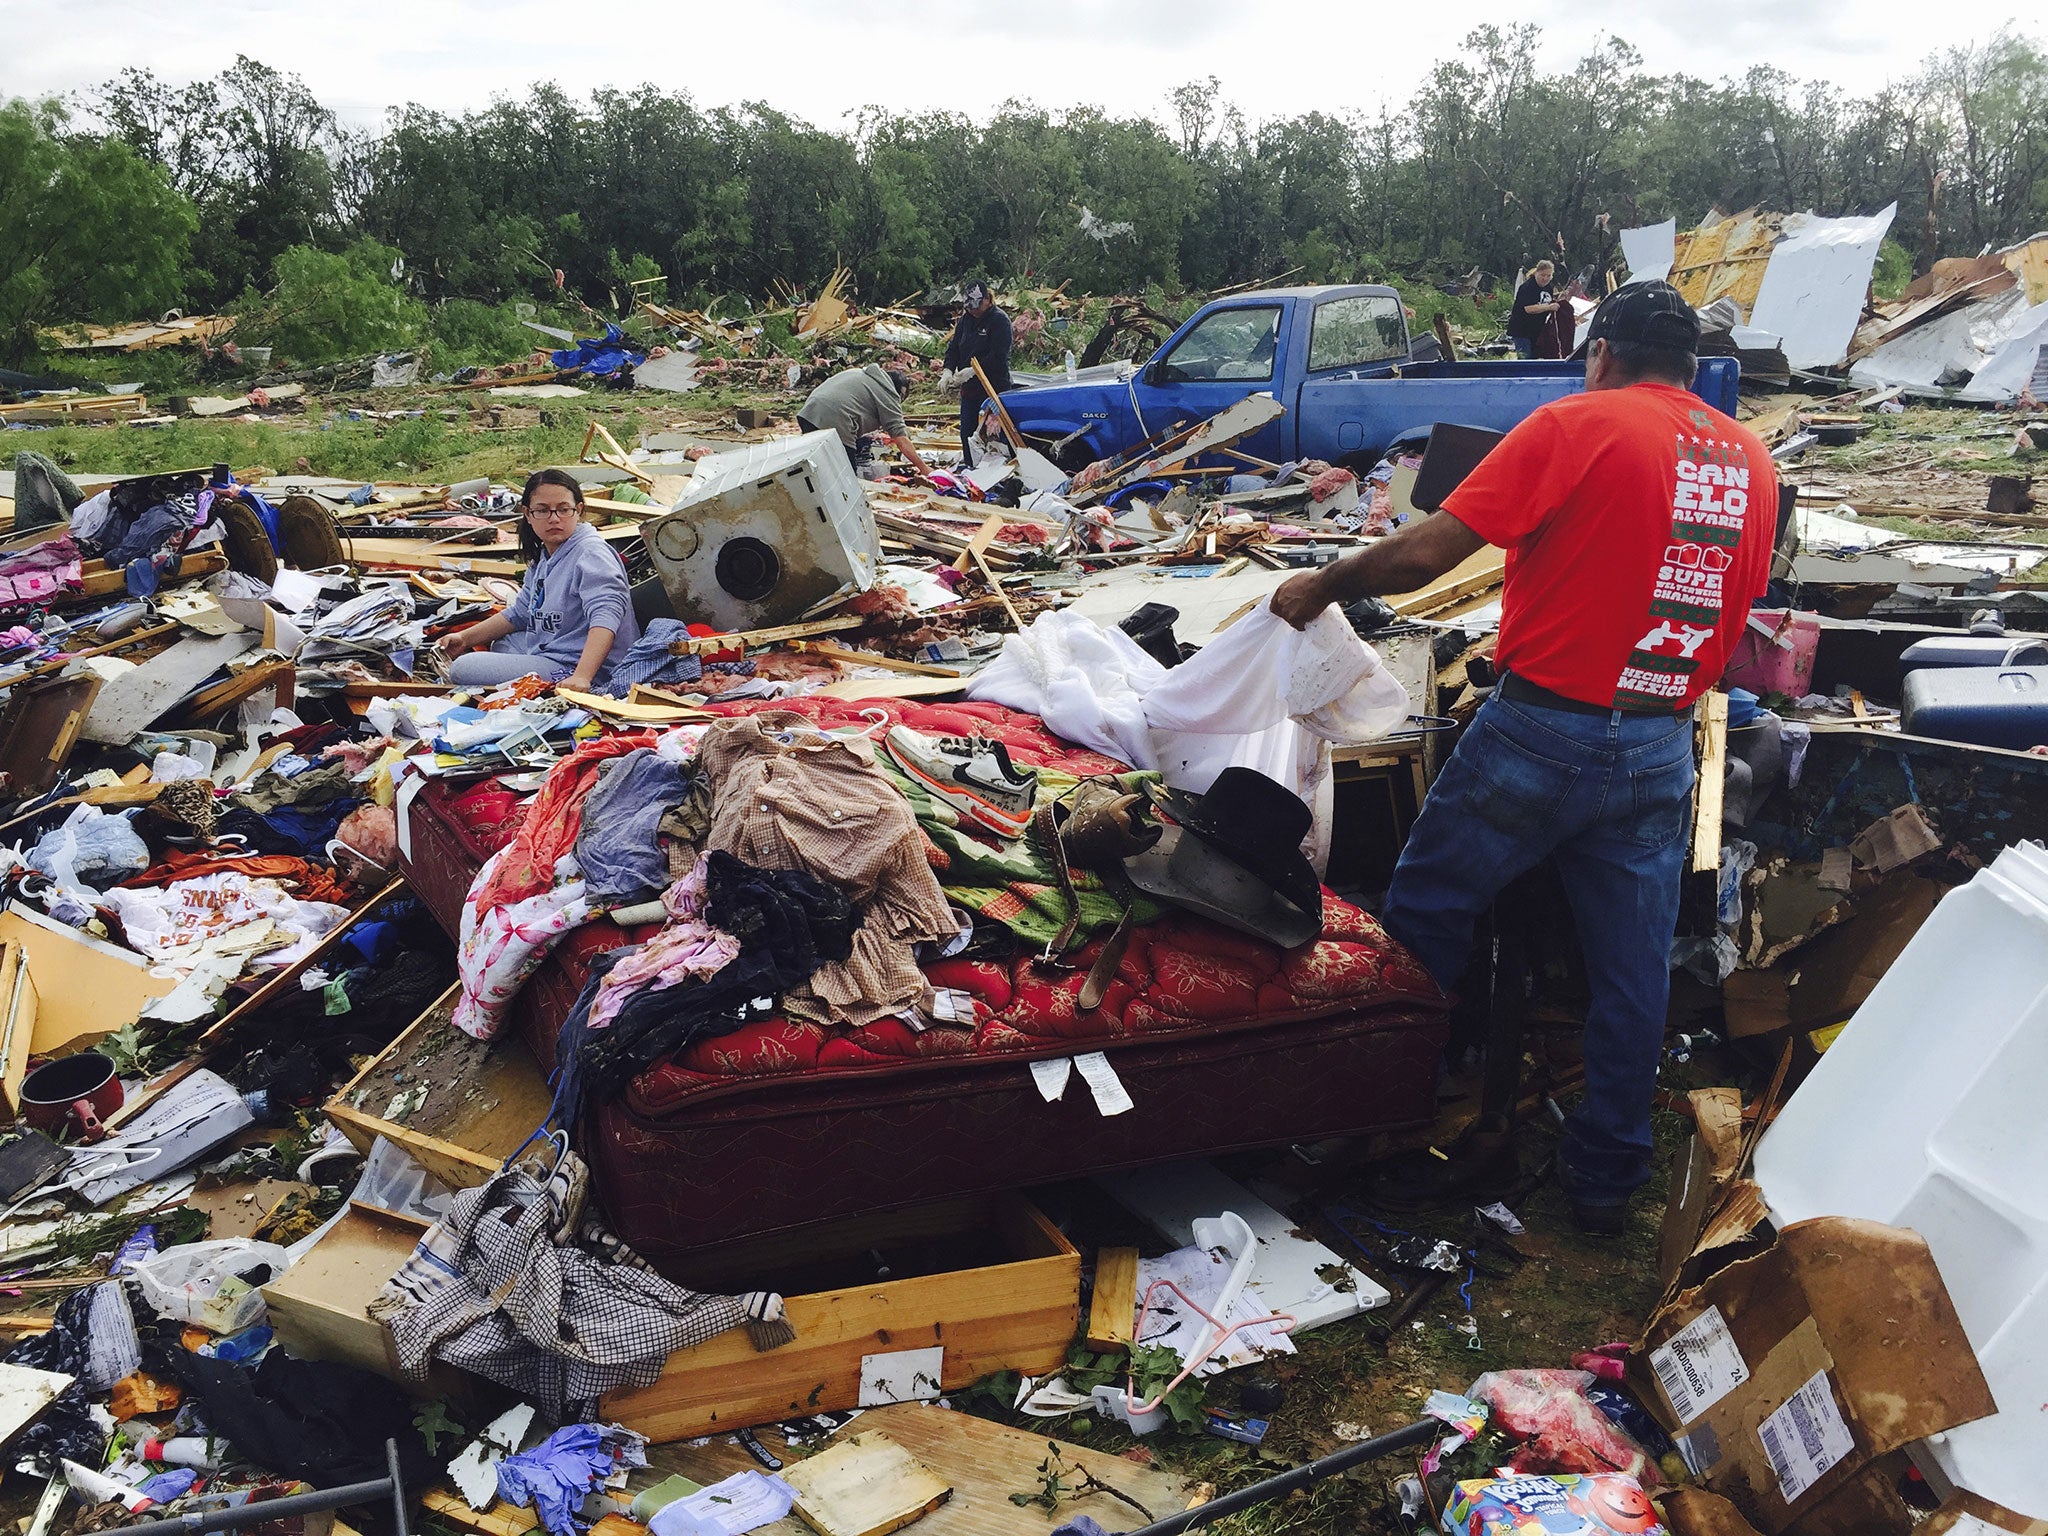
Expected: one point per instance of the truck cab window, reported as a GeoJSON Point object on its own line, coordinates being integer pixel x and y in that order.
{"type": "Point", "coordinates": [1233, 344]}
{"type": "Point", "coordinates": [1365, 328]}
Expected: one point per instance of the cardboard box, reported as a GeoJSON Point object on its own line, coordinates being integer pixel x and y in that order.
{"type": "Point", "coordinates": [1016, 1308]}
{"type": "Point", "coordinates": [1702, 1171]}
{"type": "Point", "coordinates": [1790, 1377]}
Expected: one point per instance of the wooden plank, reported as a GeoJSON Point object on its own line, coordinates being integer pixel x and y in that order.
{"type": "Point", "coordinates": [501, 1519]}
{"type": "Point", "coordinates": [1710, 731]}
{"type": "Point", "coordinates": [864, 1485]}
{"type": "Point", "coordinates": [978, 543]}
{"type": "Point", "coordinates": [988, 575]}
{"type": "Point", "coordinates": [287, 977]}
{"type": "Point", "coordinates": [697, 645]}
{"type": "Point", "coordinates": [511, 1097]}
{"type": "Point", "coordinates": [868, 659]}
{"type": "Point", "coordinates": [1002, 412]}
{"type": "Point", "coordinates": [986, 1462]}
{"type": "Point", "coordinates": [38, 728]}
{"type": "Point", "coordinates": [417, 555]}
{"type": "Point", "coordinates": [17, 1024]}
{"type": "Point", "coordinates": [1019, 1315]}
{"type": "Point", "coordinates": [232, 690]}
{"type": "Point", "coordinates": [104, 583]}
{"type": "Point", "coordinates": [1482, 569]}
{"type": "Point", "coordinates": [154, 632]}
{"type": "Point", "coordinates": [1113, 1312]}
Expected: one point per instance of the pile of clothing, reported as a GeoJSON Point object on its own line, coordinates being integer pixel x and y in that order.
{"type": "Point", "coordinates": [788, 832]}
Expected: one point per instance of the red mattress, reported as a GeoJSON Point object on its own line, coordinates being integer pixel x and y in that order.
{"type": "Point", "coordinates": [1222, 1041]}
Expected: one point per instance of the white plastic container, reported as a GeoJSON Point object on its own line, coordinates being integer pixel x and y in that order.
{"type": "Point", "coordinates": [1927, 1112]}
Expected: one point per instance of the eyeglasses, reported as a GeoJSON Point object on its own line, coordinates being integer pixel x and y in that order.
{"type": "Point", "coordinates": [539, 512]}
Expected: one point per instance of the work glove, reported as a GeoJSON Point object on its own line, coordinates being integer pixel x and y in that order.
{"type": "Point", "coordinates": [951, 380]}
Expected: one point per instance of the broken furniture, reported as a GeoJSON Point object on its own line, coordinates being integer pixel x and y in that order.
{"type": "Point", "coordinates": [887, 1308]}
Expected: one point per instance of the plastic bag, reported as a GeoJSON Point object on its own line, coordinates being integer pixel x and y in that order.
{"type": "Point", "coordinates": [212, 1284]}
{"type": "Point", "coordinates": [1559, 1427]}
{"type": "Point", "coordinates": [91, 850]}
{"type": "Point", "coordinates": [1605, 1505]}
{"type": "Point", "coordinates": [393, 1181]}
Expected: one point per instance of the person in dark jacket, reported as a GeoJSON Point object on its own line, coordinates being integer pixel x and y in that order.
{"type": "Point", "coordinates": [982, 335]}
{"type": "Point", "coordinates": [1529, 317]}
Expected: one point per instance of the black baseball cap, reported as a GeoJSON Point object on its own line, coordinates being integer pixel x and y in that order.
{"type": "Point", "coordinates": [1654, 314]}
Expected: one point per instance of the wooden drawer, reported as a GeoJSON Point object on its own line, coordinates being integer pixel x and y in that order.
{"type": "Point", "coordinates": [319, 1307]}
{"type": "Point", "coordinates": [1013, 1304]}
{"type": "Point", "coordinates": [483, 1101]}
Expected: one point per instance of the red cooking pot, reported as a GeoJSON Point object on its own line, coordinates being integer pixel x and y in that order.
{"type": "Point", "coordinates": [81, 1088]}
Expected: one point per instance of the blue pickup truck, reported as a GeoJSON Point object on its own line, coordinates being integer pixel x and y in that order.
{"type": "Point", "coordinates": [1337, 359]}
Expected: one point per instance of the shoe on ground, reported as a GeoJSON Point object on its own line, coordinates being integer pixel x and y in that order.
{"type": "Point", "coordinates": [1595, 1218]}
{"type": "Point", "coordinates": [974, 776]}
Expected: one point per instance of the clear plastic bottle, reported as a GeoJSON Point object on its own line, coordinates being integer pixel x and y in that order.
{"type": "Point", "coordinates": [1070, 365]}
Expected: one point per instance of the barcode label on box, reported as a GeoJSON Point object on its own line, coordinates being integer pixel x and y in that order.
{"type": "Point", "coordinates": [1805, 1438]}
{"type": "Point", "coordinates": [1699, 1365]}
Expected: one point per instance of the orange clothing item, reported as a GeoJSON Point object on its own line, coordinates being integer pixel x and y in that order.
{"type": "Point", "coordinates": [303, 878]}
{"type": "Point", "coordinates": [1638, 525]}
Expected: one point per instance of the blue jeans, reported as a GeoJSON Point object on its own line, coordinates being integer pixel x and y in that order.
{"type": "Point", "coordinates": [1608, 796]}
{"type": "Point", "coordinates": [1525, 346]}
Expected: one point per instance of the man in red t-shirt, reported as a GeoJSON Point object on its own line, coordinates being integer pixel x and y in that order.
{"type": "Point", "coordinates": [1638, 525]}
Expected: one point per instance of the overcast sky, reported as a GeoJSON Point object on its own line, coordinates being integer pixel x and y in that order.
{"type": "Point", "coordinates": [824, 59]}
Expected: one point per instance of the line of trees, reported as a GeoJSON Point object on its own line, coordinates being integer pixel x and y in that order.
{"type": "Point", "coordinates": [143, 194]}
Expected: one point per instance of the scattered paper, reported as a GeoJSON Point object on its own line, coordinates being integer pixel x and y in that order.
{"type": "Point", "coordinates": [1111, 1097]}
{"type": "Point", "coordinates": [1051, 1076]}
{"type": "Point", "coordinates": [1806, 1437]}
{"type": "Point", "coordinates": [1173, 1325]}
{"type": "Point", "coordinates": [744, 1502]}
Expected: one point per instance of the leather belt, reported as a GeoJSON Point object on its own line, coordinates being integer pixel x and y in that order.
{"type": "Point", "coordinates": [1519, 690]}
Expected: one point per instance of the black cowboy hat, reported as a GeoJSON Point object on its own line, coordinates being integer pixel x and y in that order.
{"type": "Point", "coordinates": [1234, 854]}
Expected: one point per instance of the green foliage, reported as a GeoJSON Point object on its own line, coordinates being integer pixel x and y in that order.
{"type": "Point", "coordinates": [1490, 162]}
{"type": "Point", "coordinates": [463, 333]}
{"type": "Point", "coordinates": [330, 305]}
{"type": "Point", "coordinates": [88, 230]}
{"type": "Point", "coordinates": [1151, 1367]}
{"type": "Point", "coordinates": [1894, 270]}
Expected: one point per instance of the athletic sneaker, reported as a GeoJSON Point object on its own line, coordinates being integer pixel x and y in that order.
{"type": "Point", "coordinates": [973, 775]}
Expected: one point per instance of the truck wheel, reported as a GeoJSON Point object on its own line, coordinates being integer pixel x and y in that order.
{"type": "Point", "coordinates": [1076, 456]}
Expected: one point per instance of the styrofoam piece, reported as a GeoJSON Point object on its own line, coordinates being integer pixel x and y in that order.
{"type": "Point", "coordinates": [1173, 1196]}
{"type": "Point", "coordinates": [765, 534]}
{"type": "Point", "coordinates": [1926, 1113]}
{"type": "Point", "coordinates": [1813, 289]}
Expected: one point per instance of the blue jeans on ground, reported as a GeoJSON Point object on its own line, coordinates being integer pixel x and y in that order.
{"type": "Point", "coordinates": [487, 669]}
{"type": "Point", "coordinates": [1607, 795]}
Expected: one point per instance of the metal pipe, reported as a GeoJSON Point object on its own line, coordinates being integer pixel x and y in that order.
{"type": "Point", "coordinates": [1421, 1432]}
{"type": "Point", "coordinates": [266, 1510]}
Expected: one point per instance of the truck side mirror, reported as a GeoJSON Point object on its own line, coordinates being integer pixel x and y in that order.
{"type": "Point", "coordinates": [1151, 373]}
